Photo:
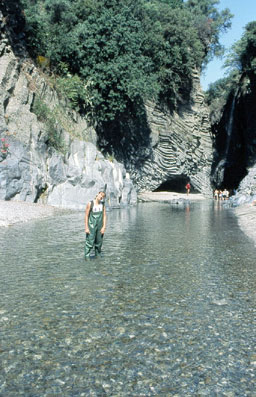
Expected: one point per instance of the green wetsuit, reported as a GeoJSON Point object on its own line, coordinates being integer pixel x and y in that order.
{"type": "Point", "coordinates": [95, 238]}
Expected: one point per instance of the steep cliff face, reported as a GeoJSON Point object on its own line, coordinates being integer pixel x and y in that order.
{"type": "Point", "coordinates": [52, 155]}
{"type": "Point", "coordinates": [180, 147]}
{"type": "Point", "coordinates": [31, 169]}
{"type": "Point", "coordinates": [235, 138]}
{"type": "Point", "coordinates": [163, 149]}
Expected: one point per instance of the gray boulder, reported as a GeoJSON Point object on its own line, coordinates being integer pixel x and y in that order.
{"type": "Point", "coordinates": [33, 169]}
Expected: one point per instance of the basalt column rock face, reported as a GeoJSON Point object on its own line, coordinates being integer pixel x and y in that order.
{"type": "Point", "coordinates": [32, 169]}
{"type": "Point", "coordinates": [181, 147]}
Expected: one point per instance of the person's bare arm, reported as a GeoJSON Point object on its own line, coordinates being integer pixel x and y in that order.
{"type": "Point", "coordinates": [104, 221]}
{"type": "Point", "coordinates": [86, 218]}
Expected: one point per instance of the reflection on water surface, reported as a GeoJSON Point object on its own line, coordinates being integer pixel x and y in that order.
{"type": "Point", "coordinates": [168, 311]}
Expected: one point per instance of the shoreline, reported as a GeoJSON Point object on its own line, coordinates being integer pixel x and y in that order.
{"type": "Point", "coordinates": [169, 196]}
{"type": "Point", "coordinates": [245, 213]}
{"type": "Point", "coordinates": [14, 212]}
{"type": "Point", "coordinates": [246, 216]}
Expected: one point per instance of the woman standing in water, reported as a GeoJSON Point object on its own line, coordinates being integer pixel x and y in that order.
{"type": "Point", "coordinates": [95, 224]}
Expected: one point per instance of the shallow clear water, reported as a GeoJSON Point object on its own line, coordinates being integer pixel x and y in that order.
{"type": "Point", "coordinates": [168, 311]}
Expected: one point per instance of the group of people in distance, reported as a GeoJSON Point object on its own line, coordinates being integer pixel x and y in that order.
{"type": "Point", "coordinates": [221, 194]}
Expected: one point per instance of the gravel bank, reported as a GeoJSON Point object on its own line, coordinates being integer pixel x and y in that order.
{"type": "Point", "coordinates": [169, 196]}
{"type": "Point", "coordinates": [246, 215]}
{"type": "Point", "coordinates": [12, 212]}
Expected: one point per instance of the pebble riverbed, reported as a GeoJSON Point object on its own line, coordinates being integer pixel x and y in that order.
{"type": "Point", "coordinates": [168, 311]}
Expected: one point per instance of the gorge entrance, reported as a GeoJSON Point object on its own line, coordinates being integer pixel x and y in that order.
{"type": "Point", "coordinates": [176, 184]}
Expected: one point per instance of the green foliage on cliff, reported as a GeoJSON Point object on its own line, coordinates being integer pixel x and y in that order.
{"type": "Point", "coordinates": [243, 53]}
{"type": "Point", "coordinates": [217, 95]}
{"type": "Point", "coordinates": [210, 22]}
{"type": "Point", "coordinates": [48, 117]}
{"type": "Point", "coordinates": [121, 52]}
{"type": "Point", "coordinates": [241, 66]}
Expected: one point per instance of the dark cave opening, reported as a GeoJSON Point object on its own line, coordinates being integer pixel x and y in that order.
{"type": "Point", "coordinates": [230, 171]}
{"type": "Point", "coordinates": [234, 143]}
{"type": "Point", "coordinates": [176, 184]}
{"type": "Point", "coordinates": [233, 175]}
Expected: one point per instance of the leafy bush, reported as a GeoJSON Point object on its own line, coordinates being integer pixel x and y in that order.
{"type": "Point", "coordinates": [242, 56]}
{"type": "Point", "coordinates": [47, 116]}
{"type": "Point", "coordinates": [209, 22]}
{"type": "Point", "coordinates": [74, 89]}
{"type": "Point", "coordinates": [217, 95]}
{"type": "Point", "coordinates": [123, 51]}
{"type": "Point", "coordinates": [241, 67]}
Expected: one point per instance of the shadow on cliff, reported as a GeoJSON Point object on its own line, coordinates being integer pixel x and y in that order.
{"type": "Point", "coordinates": [234, 135]}
{"type": "Point", "coordinates": [127, 137]}
{"type": "Point", "coordinates": [13, 24]}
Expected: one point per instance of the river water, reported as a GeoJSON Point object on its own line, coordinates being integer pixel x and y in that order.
{"type": "Point", "coordinates": [168, 311]}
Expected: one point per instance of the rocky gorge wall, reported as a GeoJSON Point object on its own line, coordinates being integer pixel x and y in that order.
{"type": "Point", "coordinates": [181, 146]}
{"type": "Point", "coordinates": [234, 165]}
{"type": "Point", "coordinates": [176, 147]}
{"type": "Point", "coordinates": [31, 169]}
{"type": "Point", "coordinates": [163, 148]}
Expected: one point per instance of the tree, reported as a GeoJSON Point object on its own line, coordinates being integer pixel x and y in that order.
{"type": "Point", "coordinates": [173, 45]}
{"type": "Point", "coordinates": [242, 57]}
{"type": "Point", "coordinates": [241, 71]}
{"type": "Point", "coordinates": [210, 23]}
{"type": "Point", "coordinates": [247, 51]}
{"type": "Point", "coordinates": [122, 52]}
{"type": "Point", "coordinates": [173, 3]}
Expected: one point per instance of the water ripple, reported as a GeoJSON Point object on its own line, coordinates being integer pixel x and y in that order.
{"type": "Point", "coordinates": [168, 311]}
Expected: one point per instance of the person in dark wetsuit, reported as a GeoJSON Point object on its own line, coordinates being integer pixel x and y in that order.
{"type": "Point", "coordinates": [95, 224]}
